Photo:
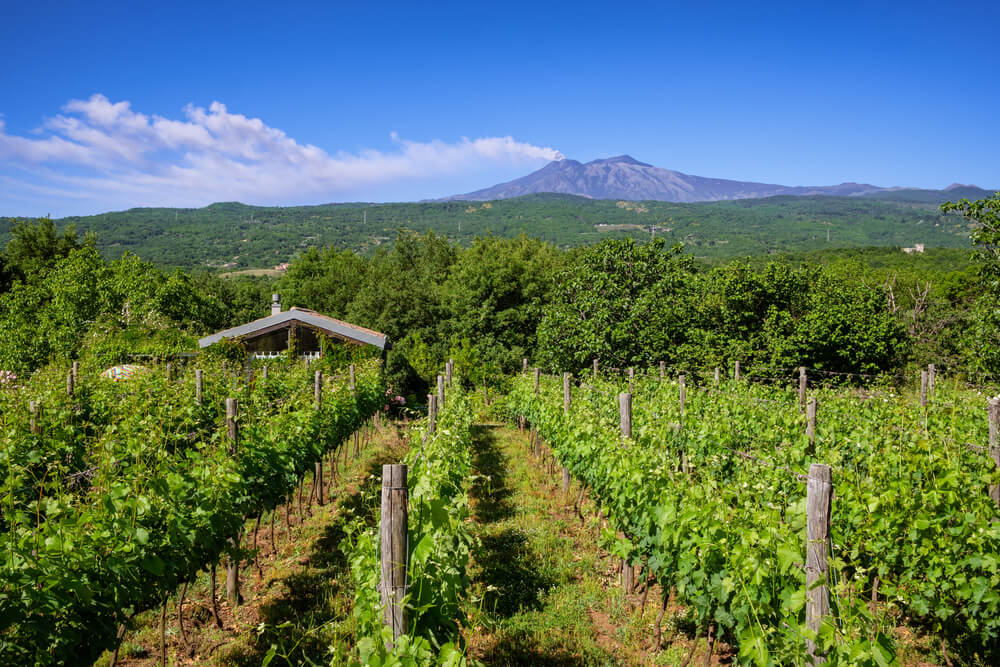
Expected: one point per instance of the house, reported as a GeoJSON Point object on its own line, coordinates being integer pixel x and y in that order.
{"type": "Point", "coordinates": [270, 336]}
{"type": "Point", "coordinates": [917, 247]}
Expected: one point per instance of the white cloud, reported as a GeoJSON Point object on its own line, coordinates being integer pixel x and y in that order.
{"type": "Point", "coordinates": [98, 149]}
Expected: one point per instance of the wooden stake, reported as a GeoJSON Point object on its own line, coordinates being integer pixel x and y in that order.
{"type": "Point", "coordinates": [538, 373]}
{"type": "Point", "coordinates": [736, 370]}
{"type": "Point", "coordinates": [264, 372]}
{"type": "Point", "coordinates": [524, 365]}
{"type": "Point", "coordinates": [35, 412]}
{"type": "Point", "coordinates": [431, 413]}
{"type": "Point", "coordinates": [318, 390]}
{"type": "Point", "coordinates": [802, 388]}
{"type": "Point", "coordinates": [233, 564]}
{"type": "Point", "coordinates": [663, 370]}
{"type": "Point", "coordinates": [931, 373]}
{"type": "Point", "coordinates": [625, 414]}
{"type": "Point", "coordinates": [819, 493]}
{"type": "Point", "coordinates": [566, 393]}
{"type": "Point", "coordinates": [440, 395]}
{"type": "Point", "coordinates": [76, 373]}
{"type": "Point", "coordinates": [993, 410]}
{"type": "Point", "coordinates": [595, 367]}
{"type": "Point", "coordinates": [450, 370]}
{"type": "Point", "coordinates": [351, 370]}
{"type": "Point", "coordinates": [197, 386]}
{"type": "Point", "coordinates": [716, 376]}
{"type": "Point", "coordinates": [811, 425]}
{"type": "Point", "coordinates": [923, 389]}
{"type": "Point", "coordinates": [69, 383]}
{"type": "Point", "coordinates": [393, 548]}
{"type": "Point", "coordinates": [683, 392]}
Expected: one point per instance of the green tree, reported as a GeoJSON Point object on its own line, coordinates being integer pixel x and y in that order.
{"type": "Point", "coordinates": [35, 247]}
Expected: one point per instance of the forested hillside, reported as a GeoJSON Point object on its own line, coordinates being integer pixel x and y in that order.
{"type": "Point", "coordinates": [499, 300]}
{"type": "Point", "coordinates": [231, 236]}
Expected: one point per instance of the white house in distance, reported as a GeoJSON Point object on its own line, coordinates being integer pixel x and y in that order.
{"type": "Point", "coordinates": [269, 336]}
{"type": "Point", "coordinates": [917, 247]}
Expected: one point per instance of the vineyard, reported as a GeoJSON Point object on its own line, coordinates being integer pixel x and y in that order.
{"type": "Point", "coordinates": [119, 496]}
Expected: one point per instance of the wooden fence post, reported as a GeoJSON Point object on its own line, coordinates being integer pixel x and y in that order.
{"type": "Point", "coordinates": [35, 412]}
{"type": "Point", "coordinates": [524, 365]}
{"type": "Point", "coordinates": [70, 384]}
{"type": "Point", "coordinates": [819, 493]}
{"type": "Point", "coordinates": [393, 543]}
{"type": "Point", "coordinates": [595, 367]}
{"type": "Point", "coordinates": [663, 370]}
{"type": "Point", "coordinates": [263, 372]}
{"type": "Point", "coordinates": [628, 572]}
{"type": "Point", "coordinates": [76, 373]}
{"type": "Point", "coordinates": [993, 411]}
{"type": "Point", "coordinates": [197, 386]}
{"type": "Point", "coordinates": [170, 371]}
{"type": "Point", "coordinates": [625, 414]}
{"type": "Point", "coordinates": [537, 375]}
{"type": "Point", "coordinates": [352, 385]}
{"type": "Point", "coordinates": [233, 564]}
{"type": "Point", "coordinates": [567, 398]}
{"type": "Point", "coordinates": [931, 373]}
{"type": "Point", "coordinates": [440, 393]}
{"type": "Point", "coordinates": [736, 370]}
{"type": "Point", "coordinates": [802, 388]}
{"type": "Point", "coordinates": [923, 389]}
{"type": "Point", "coordinates": [449, 371]}
{"type": "Point", "coordinates": [318, 465]}
{"type": "Point", "coordinates": [811, 425]}
{"type": "Point", "coordinates": [716, 376]}
{"type": "Point", "coordinates": [431, 413]}
{"type": "Point", "coordinates": [683, 392]}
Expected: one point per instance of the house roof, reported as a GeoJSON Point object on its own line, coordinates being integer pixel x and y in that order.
{"type": "Point", "coordinates": [337, 328]}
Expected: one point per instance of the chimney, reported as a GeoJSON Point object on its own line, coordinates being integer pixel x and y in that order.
{"type": "Point", "coordinates": [275, 304]}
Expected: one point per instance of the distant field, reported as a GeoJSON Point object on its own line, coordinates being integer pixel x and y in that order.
{"type": "Point", "coordinates": [269, 273]}
{"type": "Point", "coordinates": [232, 237]}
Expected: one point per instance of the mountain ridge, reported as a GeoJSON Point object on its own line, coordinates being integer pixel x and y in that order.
{"type": "Point", "coordinates": [623, 177]}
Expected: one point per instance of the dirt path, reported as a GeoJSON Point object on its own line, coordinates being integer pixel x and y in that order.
{"type": "Point", "coordinates": [543, 592]}
{"type": "Point", "coordinates": [298, 600]}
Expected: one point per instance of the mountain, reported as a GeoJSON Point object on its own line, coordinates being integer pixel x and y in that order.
{"type": "Point", "coordinates": [624, 177]}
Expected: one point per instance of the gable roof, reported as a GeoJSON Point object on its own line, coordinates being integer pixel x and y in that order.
{"type": "Point", "coordinates": [331, 326]}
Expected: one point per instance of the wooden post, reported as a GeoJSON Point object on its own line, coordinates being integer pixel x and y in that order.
{"type": "Point", "coordinates": [537, 374]}
{"type": "Point", "coordinates": [450, 370]}
{"type": "Point", "coordinates": [393, 544]}
{"type": "Point", "coordinates": [567, 398]}
{"type": "Point", "coordinates": [683, 392]}
{"type": "Point", "coordinates": [76, 373]}
{"type": "Point", "coordinates": [197, 386]}
{"type": "Point", "coordinates": [628, 572]}
{"type": "Point", "coordinates": [736, 370]}
{"type": "Point", "coordinates": [811, 425]}
{"type": "Point", "coordinates": [595, 367]}
{"type": "Point", "coordinates": [663, 370]}
{"type": "Point", "coordinates": [318, 465]}
{"type": "Point", "coordinates": [69, 383]}
{"type": "Point", "coordinates": [440, 394]}
{"type": "Point", "coordinates": [233, 564]}
{"type": "Point", "coordinates": [923, 389]}
{"type": "Point", "coordinates": [35, 412]}
{"type": "Point", "coordinates": [264, 372]}
{"type": "Point", "coordinates": [431, 413]}
{"type": "Point", "coordinates": [931, 373]}
{"type": "Point", "coordinates": [524, 365]}
{"type": "Point", "coordinates": [802, 388]}
{"type": "Point", "coordinates": [318, 389]}
{"type": "Point", "coordinates": [170, 371]}
{"type": "Point", "coordinates": [993, 411]}
{"type": "Point", "coordinates": [819, 492]}
{"type": "Point", "coordinates": [352, 384]}
{"type": "Point", "coordinates": [625, 414]}
{"type": "Point", "coordinates": [716, 376]}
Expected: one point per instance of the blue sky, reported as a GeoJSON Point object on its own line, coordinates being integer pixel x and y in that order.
{"type": "Point", "coordinates": [105, 106]}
